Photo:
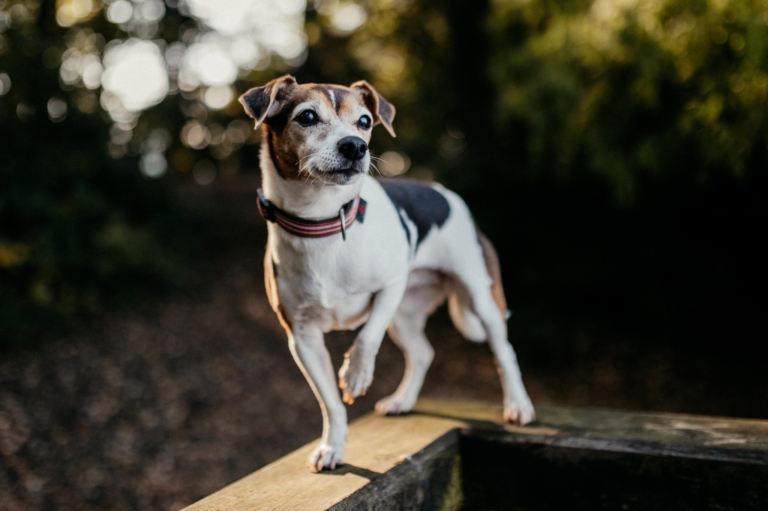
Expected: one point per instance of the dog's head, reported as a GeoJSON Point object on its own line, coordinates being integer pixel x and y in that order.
{"type": "Point", "coordinates": [318, 132]}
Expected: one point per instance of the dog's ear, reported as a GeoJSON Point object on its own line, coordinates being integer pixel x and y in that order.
{"type": "Point", "coordinates": [383, 111]}
{"type": "Point", "coordinates": [266, 101]}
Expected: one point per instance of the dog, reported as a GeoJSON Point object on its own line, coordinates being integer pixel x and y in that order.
{"type": "Point", "coordinates": [345, 250]}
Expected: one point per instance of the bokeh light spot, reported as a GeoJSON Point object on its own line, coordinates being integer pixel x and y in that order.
{"type": "Point", "coordinates": [120, 11]}
{"type": "Point", "coordinates": [737, 41]}
{"type": "Point", "coordinates": [347, 18]}
{"type": "Point", "coordinates": [392, 163]}
{"type": "Point", "coordinates": [5, 84]}
{"type": "Point", "coordinates": [219, 97]}
{"type": "Point", "coordinates": [153, 164]}
{"type": "Point", "coordinates": [70, 12]}
{"type": "Point", "coordinates": [152, 10]}
{"type": "Point", "coordinates": [204, 172]}
{"type": "Point", "coordinates": [195, 135]}
{"type": "Point", "coordinates": [239, 130]}
{"type": "Point", "coordinates": [25, 112]}
{"type": "Point", "coordinates": [57, 109]}
{"type": "Point", "coordinates": [210, 63]}
{"type": "Point", "coordinates": [135, 74]}
{"type": "Point", "coordinates": [91, 71]}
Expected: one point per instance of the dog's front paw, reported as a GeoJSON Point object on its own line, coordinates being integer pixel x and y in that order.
{"type": "Point", "coordinates": [325, 456]}
{"type": "Point", "coordinates": [519, 412]}
{"type": "Point", "coordinates": [356, 374]}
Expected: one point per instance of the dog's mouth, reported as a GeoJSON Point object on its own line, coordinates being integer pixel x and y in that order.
{"type": "Point", "coordinates": [347, 173]}
{"type": "Point", "coordinates": [342, 171]}
{"type": "Point", "coordinates": [342, 175]}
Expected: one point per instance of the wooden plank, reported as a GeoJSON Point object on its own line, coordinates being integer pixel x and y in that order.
{"type": "Point", "coordinates": [377, 444]}
{"type": "Point", "coordinates": [428, 480]}
{"type": "Point", "coordinates": [717, 438]}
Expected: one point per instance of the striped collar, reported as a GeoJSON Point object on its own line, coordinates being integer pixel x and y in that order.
{"type": "Point", "coordinates": [349, 212]}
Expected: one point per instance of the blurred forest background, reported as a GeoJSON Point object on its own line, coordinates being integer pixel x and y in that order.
{"type": "Point", "coordinates": [615, 151]}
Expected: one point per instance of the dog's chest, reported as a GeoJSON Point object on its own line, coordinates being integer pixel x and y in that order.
{"type": "Point", "coordinates": [329, 289]}
{"type": "Point", "coordinates": [335, 307]}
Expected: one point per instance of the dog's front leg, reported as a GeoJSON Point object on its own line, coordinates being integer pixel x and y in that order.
{"type": "Point", "coordinates": [356, 373]}
{"type": "Point", "coordinates": [308, 348]}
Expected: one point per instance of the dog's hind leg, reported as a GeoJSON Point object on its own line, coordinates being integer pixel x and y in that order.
{"type": "Point", "coordinates": [480, 278]}
{"type": "Point", "coordinates": [426, 291]}
{"type": "Point", "coordinates": [517, 404]}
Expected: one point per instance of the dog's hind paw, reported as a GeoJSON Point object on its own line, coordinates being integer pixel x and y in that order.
{"type": "Point", "coordinates": [325, 456]}
{"type": "Point", "coordinates": [393, 405]}
{"type": "Point", "coordinates": [520, 414]}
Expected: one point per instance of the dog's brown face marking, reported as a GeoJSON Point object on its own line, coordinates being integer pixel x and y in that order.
{"type": "Point", "coordinates": [306, 127]}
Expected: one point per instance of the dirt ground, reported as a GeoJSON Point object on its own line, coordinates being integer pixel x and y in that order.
{"type": "Point", "coordinates": [161, 405]}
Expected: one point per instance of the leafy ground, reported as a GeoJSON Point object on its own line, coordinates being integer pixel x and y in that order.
{"type": "Point", "coordinates": [158, 406]}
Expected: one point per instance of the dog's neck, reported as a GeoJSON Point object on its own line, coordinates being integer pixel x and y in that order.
{"type": "Point", "coordinates": [305, 199]}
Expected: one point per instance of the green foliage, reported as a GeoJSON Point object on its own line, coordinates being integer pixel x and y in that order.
{"type": "Point", "coordinates": [79, 229]}
{"type": "Point", "coordinates": [628, 89]}
{"type": "Point", "coordinates": [614, 152]}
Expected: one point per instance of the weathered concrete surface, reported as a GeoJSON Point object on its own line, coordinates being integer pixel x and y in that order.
{"type": "Point", "coordinates": [451, 455]}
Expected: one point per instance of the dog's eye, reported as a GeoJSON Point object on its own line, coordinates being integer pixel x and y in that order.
{"type": "Point", "coordinates": [364, 122]}
{"type": "Point", "coordinates": [308, 118]}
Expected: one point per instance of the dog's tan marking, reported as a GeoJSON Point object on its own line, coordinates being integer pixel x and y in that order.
{"type": "Point", "coordinates": [494, 270]}
{"type": "Point", "coordinates": [282, 153]}
{"type": "Point", "coordinates": [270, 282]}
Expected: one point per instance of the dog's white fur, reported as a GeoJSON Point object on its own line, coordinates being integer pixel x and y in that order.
{"type": "Point", "coordinates": [375, 279]}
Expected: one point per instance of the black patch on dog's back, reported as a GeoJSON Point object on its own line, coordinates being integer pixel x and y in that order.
{"type": "Point", "coordinates": [422, 204]}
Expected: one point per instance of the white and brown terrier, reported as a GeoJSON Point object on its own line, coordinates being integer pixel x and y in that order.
{"type": "Point", "coordinates": [346, 249]}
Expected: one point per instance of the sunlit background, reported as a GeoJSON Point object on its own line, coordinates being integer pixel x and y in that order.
{"type": "Point", "coordinates": [615, 152]}
{"type": "Point", "coordinates": [627, 105]}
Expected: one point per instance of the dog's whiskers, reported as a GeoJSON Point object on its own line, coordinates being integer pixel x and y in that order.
{"type": "Point", "coordinates": [380, 159]}
{"type": "Point", "coordinates": [308, 167]}
{"type": "Point", "coordinates": [376, 168]}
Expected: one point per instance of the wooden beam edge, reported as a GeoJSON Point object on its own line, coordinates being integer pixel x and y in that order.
{"type": "Point", "coordinates": [378, 444]}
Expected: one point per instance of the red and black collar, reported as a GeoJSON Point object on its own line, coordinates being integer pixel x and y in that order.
{"type": "Point", "coordinates": [349, 212]}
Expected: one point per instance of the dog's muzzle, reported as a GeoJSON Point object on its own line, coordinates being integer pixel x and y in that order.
{"type": "Point", "coordinates": [352, 148]}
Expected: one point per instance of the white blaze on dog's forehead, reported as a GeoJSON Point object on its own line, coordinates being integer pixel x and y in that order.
{"type": "Point", "coordinates": [332, 99]}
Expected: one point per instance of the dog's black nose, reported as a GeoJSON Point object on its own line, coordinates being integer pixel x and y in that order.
{"type": "Point", "coordinates": [353, 148]}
